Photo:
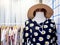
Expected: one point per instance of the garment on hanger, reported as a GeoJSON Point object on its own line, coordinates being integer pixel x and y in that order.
{"type": "Point", "coordinates": [15, 35]}
{"type": "Point", "coordinates": [39, 34]}
{"type": "Point", "coordinates": [18, 36]}
{"type": "Point", "coordinates": [3, 36]}
{"type": "Point", "coordinates": [11, 36]}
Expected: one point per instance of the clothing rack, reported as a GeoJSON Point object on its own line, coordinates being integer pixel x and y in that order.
{"type": "Point", "coordinates": [14, 30]}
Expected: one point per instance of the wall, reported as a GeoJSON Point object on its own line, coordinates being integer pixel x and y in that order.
{"type": "Point", "coordinates": [14, 11]}
{"type": "Point", "coordinates": [55, 5]}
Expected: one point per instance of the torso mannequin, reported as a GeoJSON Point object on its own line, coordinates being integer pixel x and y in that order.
{"type": "Point", "coordinates": [39, 17]}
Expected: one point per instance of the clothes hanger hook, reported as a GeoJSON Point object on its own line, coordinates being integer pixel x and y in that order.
{"type": "Point", "coordinates": [40, 1]}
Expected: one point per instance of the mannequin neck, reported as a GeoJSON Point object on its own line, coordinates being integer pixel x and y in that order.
{"type": "Point", "coordinates": [39, 17]}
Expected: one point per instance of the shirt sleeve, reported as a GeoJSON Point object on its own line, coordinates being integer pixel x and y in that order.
{"type": "Point", "coordinates": [54, 33]}
{"type": "Point", "coordinates": [24, 40]}
{"type": "Point", "coordinates": [25, 34]}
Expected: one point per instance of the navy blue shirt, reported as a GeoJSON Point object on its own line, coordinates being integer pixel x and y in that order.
{"type": "Point", "coordinates": [39, 34]}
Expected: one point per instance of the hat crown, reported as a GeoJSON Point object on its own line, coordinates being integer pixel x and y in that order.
{"type": "Point", "coordinates": [31, 10]}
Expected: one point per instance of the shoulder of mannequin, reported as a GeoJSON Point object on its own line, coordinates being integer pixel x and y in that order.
{"type": "Point", "coordinates": [28, 20]}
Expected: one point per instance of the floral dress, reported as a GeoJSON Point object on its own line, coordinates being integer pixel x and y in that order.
{"type": "Point", "coordinates": [39, 34]}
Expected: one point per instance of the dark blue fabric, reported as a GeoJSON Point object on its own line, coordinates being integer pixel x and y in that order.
{"type": "Point", "coordinates": [33, 35]}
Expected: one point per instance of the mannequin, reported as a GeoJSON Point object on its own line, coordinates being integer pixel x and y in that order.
{"type": "Point", "coordinates": [42, 33]}
{"type": "Point", "coordinates": [39, 17]}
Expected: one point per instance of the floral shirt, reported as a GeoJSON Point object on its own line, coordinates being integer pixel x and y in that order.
{"type": "Point", "coordinates": [39, 34]}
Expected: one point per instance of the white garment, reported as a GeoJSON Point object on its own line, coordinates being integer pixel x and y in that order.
{"type": "Point", "coordinates": [15, 32]}
{"type": "Point", "coordinates": [39, 17]}
{"type": "Point", "coordinates": [3, 35]}
{"type": "Point", "coordinates": [10, 32]}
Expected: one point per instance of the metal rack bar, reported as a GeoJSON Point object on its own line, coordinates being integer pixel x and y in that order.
{"type": "Point", "coordinates": [40, 1]}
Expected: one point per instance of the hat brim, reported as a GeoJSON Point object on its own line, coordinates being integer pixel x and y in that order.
{"type": "Point", "coordinates": [49, 12]}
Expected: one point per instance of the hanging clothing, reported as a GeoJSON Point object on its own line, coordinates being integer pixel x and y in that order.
{"type": "Point", "coordinates": [18, 37]}
{"type": "Point", "coordinates": [15, 36]}
{"type": "Point", "coordinates": [39, 34]}
{"type": "Point", "coordinates": [11, 37]}
{"type": "Point", "coordinates": [3, 36]}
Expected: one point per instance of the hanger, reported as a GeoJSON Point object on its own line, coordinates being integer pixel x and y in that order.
{"type": "Point", "coordinates": [40, 1]}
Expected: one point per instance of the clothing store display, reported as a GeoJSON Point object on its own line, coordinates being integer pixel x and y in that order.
{"type": "Point", "coordinates": [15, 36]}
{"type": "Point", "coordinates": [39, 34]}
{"type": "Point", "coordinates": [18, 36]}
{"type": "Point", "coordinates": [10, 35]}
{"type": "Point", "coordinates": [49, 12]}
{"type": "Point", "coordinates": [3, 36]}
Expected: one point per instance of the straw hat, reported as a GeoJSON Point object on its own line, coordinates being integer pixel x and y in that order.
{"type": "Point", "coordinates": [49, 12]}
